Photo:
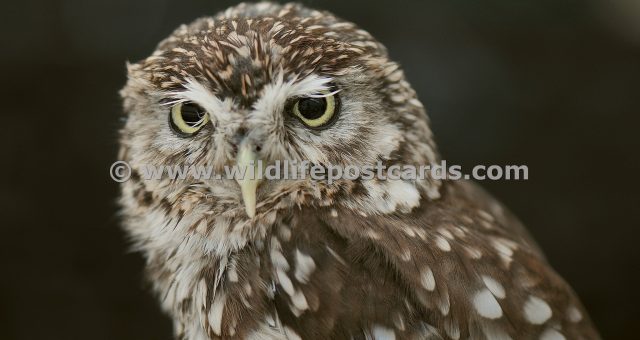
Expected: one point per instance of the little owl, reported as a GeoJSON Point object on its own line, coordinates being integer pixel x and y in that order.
{"type": "Point", "coordinates": [314, 259]}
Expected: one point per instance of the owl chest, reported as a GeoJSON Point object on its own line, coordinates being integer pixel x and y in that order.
{"type": "Point", "coordinates": [301, 278]}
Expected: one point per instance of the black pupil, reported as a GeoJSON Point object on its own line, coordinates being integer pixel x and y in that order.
{"type": "Point", "coordinates": [312, 108]}
{"type": "Point", "coordinates": [192, 114]}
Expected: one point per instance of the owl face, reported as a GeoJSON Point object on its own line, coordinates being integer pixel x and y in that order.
{"type": "Point", "coordinates": [293, 86]}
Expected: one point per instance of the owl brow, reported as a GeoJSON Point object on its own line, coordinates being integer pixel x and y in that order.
{"type": "Point", "coordinates": [324, 95]}
{"type": "Point", "coordinates": [171, 102]}
{"type": "Point", "coordinates": [313, 86]}
{"type": "Point", "coordinates": [197, 93]}
{"type": "Point", "coordinates": [193, 91]}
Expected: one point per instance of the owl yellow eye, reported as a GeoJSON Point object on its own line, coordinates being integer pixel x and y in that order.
{"type": "Point", "coordinates": [188, 118]}
{"type": "Point", "coordinates": [317, 112]}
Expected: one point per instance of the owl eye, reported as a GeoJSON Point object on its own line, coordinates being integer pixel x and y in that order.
{"type": "Point", "coordinates": [188, 118]}
{"type": "Point", "coordinates": [317, 112]}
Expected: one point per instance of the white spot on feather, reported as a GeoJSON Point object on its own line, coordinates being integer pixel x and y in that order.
{"type": "Point", "coordinates": [215, 314]}
{"type": "Point", "coordinates": [446, 233]}
{"type": "Point", "coordinates": [383, 333]}
{"type": "Point", "coordinates": [299, 301]}
{"type": "Point", "coordinates": [304, 266]}
{"type": "Point", "coordinates": [574, 314]}
{"type": "Point", "coordinates": [428, 280]}
{"type": "Point", "coordinates": [494, 286]}
{"type": "Point", "coordinates": [278, 260]}
{"type": "Point", "coordinates": [494, 332]}
{"type": "Point", "coordinates": [473, 253]}
{"type": "Point", "coordinates": [452, 329]}
{"type": "Point", "coordinates": [406, 255]}
{"type": "Point", "coordinates": [389, 196]}
{"type": "Point", "coordinates": [551, 334]}
{"type": "Point", "coordinates": [444, 304]}
{"type": "Point", "coordinates": [403, 194]}
{"type": "Point", "coordinates": [442, 243]}
{"type": "Point", "coordinates": [285, 282]}
{"type": "Point", "coordinates": [502, 248]}
{"type": "Point", "coordinates": [486, 305]}
{"type": "Point", "coordinates": [537, 311]}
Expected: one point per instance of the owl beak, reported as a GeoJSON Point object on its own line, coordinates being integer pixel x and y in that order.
{"type": "Point", "coordinates": [247, 161]}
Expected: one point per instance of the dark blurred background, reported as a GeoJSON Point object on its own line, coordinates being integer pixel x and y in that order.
{"type": "Point", "coordinates": [552, 84]}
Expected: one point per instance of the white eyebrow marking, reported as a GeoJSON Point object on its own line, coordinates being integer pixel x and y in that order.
{"type": "Point", "coordinates": [199, 94]}
{"type": "Point", "coordinates": [323, 94]}
{"type": "Point", "coordinates": [312, 85]}
{"type": "Point", "coordinates": [273, 99]}
{"type": "Point", "coordinates": [275, 95]}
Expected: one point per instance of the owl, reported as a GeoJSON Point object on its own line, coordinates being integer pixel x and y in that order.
{"type": "Point", "coordinates": [304, 258]}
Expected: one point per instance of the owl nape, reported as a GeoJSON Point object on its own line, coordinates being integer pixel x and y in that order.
{"type": "Point", "coordinates": [304, 259]}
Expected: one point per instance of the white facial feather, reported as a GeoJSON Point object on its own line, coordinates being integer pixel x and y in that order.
{"type": "Point", "coordinates": [197, 93]}
{"type": "Point", "coordinates": [276, 94]}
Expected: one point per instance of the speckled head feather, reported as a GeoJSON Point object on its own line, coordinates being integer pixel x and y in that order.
{"type": "Point", "coordinates": [421, 259]}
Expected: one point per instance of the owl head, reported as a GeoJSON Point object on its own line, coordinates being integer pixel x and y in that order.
{"type": "Point", "coordinates": [287, 83]}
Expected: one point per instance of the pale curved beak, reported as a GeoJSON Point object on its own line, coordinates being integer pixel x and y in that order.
{"type": "Point", "coordinates": [250, 176]}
